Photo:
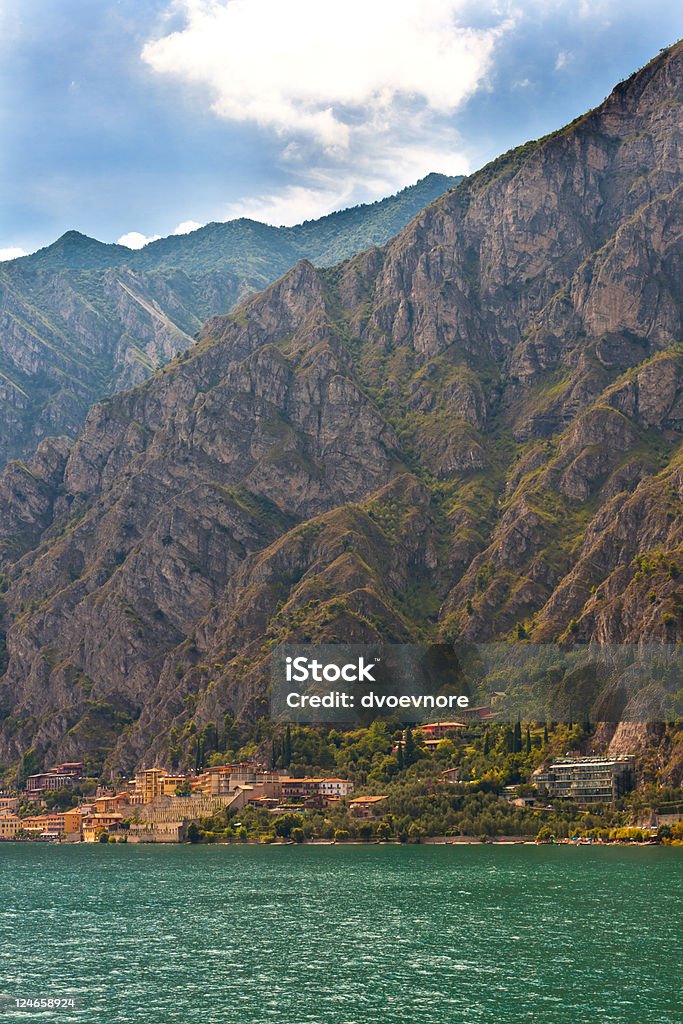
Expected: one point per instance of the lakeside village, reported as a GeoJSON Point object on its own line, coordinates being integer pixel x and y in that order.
{"type": "Point", "coordinates": [474, 780]}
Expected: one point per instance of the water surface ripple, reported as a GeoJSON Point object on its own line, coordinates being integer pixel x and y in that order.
{"type": "Point", "coordinates": [343, 935]}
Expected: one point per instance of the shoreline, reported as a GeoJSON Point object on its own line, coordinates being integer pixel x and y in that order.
{"type": "Point", "coordinates": [427, 841]}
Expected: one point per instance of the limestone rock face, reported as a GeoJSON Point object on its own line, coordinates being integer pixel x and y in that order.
{"type": "Point", "coordinates": [473, 431]}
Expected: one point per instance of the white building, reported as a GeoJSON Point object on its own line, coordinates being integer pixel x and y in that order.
{"type": "Point", "coordinates": [335, 788]}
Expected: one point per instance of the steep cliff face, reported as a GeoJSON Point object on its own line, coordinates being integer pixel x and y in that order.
{"type": "Point", "coordinates": [475, 432]}
{"type": "Point", "coordinates": [81, 320]}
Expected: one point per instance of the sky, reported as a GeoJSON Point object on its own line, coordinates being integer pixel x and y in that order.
{"type": "Point", "coordinates": [133, 119]}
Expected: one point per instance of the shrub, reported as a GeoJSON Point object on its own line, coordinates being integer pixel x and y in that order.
{"type": "Point", "coordinates": [286, 823]}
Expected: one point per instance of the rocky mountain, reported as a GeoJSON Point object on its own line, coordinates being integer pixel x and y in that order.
{"type": "Point", "coordinates": [475, 431]}
{"type": "Point", "coordinates": [80, 320]}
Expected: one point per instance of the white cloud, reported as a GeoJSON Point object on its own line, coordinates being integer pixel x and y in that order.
{"type": "Point", "coordinates": [362, 92]}
{"type": "Point", "coordinates": [12, 252]}
{"type": "Point", "coordinates": [186, 226]}
{"type": "Point", "coordinates": [136, 240]}
{"type": "Point", "coordinates": [305, 65]}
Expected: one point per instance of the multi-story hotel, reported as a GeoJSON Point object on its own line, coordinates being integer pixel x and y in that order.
{"type": "Point", "coordinates": [151, 783]}
{"type": "Point", "coordinates": [221, 780]}
{"type": "Point", "coordinates": [588, 780]}
{"type": "Point", "coordinates": [67, 774]}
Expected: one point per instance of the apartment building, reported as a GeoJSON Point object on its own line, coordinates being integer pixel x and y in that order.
{"type": "Point", "coordinates": [10, 825]}
{"type": "Point", "coordinates": [65, 823]}
{"type": "Point", "coordinates": [335, 789]}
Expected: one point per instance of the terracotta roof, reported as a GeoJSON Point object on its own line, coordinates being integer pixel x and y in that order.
{"type": "Point", "coordinates": [442, 725]}
{"type": "Point", "coordinates": [298, 781]}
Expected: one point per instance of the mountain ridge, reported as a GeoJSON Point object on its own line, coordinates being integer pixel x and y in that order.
{"type": "Point", "coordinates": [113, 254]}
{"type": "Point", "coordinates": [81, 319]}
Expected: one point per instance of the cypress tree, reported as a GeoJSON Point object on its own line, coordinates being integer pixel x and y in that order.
{"type": "Point", "coordinates": [528, 740]}
{"type": "Point", "coordinates": [287, 751]}
{"type": "Point", "coordinates": [198, 756]}
{"type": "Point", "coordinates": [545, 732]}
{"type": "Point", "coordinates": [486, 742]}
{"type": "Point", "coordinates": [409, 756]}
{"type": "Point", "coordinates": [399, 757]}
{"type": "Point", "coordinates": [517, 740]}
{"type": "Point", "coordinates": [210, 740]}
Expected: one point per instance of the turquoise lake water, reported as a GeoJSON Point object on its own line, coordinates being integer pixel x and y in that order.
{"type": "Point", "coordinates": [343, 935]}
